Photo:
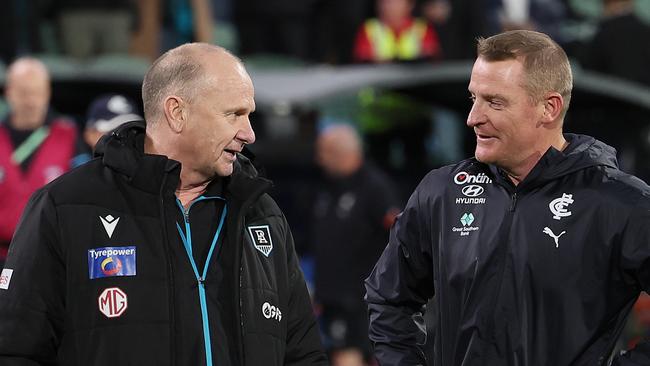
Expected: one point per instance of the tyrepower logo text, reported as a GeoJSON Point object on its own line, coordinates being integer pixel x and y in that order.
{"type": "Point", "coordinates": [466, 178]}
{"type": "Point", "coordinates": [112, 302]}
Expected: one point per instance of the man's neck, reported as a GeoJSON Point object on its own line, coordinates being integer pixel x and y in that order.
{"type": "Point", "coordinates": [518, 175]}
{"type": "Point", "coordinates": [188, 193]}
{"type": "Point", "coordinates": [192, 184]}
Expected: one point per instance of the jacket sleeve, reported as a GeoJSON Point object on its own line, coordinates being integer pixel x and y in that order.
{"type": "Point", "coordinates": [303, 338]}
{"type": "Point", "coordinates": [32, 298]}
{"type": "Point", "coordinates": [635, 265]}
{"type": "Point", "coordinates": [399, 287]}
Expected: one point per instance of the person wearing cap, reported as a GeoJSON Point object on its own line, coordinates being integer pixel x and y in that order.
{"type": "Point", "coordinates": [106, 113]}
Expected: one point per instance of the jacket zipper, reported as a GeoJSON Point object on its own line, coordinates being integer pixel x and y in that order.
{"type": "Point", "coordinates": [201, 276]}
{"type": "Point", "coordinates": [513, 202]}
{"type": "Point", "coordinates": [510, 212]}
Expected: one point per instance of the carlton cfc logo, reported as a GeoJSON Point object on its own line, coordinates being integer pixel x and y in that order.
{"type": "Point", "coordinates": [112, 302]}
{"type": "Point", "coordinates": [111, 266]}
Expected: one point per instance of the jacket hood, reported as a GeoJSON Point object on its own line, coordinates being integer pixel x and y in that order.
{"type": "Point", "coordinates": [123, 151]}
{"type": "Point", "coordinates": [581, 153]}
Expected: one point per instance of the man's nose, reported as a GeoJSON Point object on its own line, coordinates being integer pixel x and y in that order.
{"type": "Point", "coordinates": [476, 115]}
{"type": "Point", "coordinates": [245, 133]}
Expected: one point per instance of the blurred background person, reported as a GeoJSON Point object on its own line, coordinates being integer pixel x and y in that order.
{"type": "Point", "coordinates": [186, 21]}
{"type": "Point", "coordinates": [92, 27]}
{"type": "Point", "coordinates": [36, 145]}
{"type": "Point", "coordinates": [106, 113]}
{"type": "Point", "coordinates": [395, 35]}
{"type": "Point", "coordinates": [353, 211]}
{"type": "Point", "coordinates": [618, 48]}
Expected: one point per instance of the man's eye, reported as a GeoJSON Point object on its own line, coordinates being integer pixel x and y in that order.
{"type": "Point", "coordinates": [496, 104]}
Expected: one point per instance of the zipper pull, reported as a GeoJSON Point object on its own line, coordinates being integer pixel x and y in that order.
{"type": "Point", "coordinates": [513, 202]}
{"type": "Point", "coordinates": [201, 281]}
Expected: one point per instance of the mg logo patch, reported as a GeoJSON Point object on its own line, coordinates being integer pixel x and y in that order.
{"type": "Point", "coordinates": [112, 302]}
{"type": "Point", "coordinates": [261, 238]}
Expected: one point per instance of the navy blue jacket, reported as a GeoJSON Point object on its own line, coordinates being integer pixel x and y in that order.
{"type": "Point", "coordinates": [544, 273]}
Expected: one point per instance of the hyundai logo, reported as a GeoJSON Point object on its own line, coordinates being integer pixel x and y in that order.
{"type": "Point", "coordinates": [472, 190]}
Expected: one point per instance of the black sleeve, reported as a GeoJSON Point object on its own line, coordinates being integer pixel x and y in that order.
{"type": "Point", "coordinates": [399, 287]}
{"type": "Point", "coordinates": [303, 338]}
{"type": "Point", "coordinates": [32, 300]}
{"type": "Point", "coordinates": [635, 264]}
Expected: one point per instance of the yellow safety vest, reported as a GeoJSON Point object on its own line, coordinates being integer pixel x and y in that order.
{"type": "Point", "coordinates": [387, 46]}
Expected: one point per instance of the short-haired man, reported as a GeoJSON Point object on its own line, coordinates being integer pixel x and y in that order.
{"type": "Point", "coordinates": [167, 250]}
{"type": "Point", "coordinates": [36, 144]}
{"type": "Point", "coordinates": [535, 250]}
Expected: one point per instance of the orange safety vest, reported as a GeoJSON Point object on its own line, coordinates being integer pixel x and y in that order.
{"type": "Point", "coordinates": [387, 46]}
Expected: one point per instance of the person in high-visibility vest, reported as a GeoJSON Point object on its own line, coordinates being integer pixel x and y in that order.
{"type": "Point", "coordinates": [395, 35]}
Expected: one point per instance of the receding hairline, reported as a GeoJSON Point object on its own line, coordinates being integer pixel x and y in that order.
{"type": "Point", "coordinates": [27, 64]}
{"type": "Point", "coordinates": [191, 58]}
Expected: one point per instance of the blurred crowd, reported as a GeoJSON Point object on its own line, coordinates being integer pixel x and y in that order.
{"type": "Point", "coordinates": [601, 34]}
{"type": "Point", "coordinates": [355, 204]}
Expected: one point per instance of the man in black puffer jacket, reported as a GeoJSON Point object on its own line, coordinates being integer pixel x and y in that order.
{"type": "Point", "coordinates": [164, 250]}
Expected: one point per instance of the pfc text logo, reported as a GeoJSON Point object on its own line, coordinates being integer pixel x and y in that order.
{"type": "Point", "coordinates": [271, 312]}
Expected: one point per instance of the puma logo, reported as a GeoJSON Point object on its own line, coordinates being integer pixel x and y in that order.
{"type": "Point", "coordinates": [552, 235]}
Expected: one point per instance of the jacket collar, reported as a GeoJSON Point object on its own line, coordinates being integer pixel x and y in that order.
{"type": "Point", "coordinates": [123, 152]}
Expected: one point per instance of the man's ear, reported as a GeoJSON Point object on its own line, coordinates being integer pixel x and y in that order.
{"type": "Point", "coordinates": [553, 106]}
{"type": "Point", "coordinates": [175, 113]}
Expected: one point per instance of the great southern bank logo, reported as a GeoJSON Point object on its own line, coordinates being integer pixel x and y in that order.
{"type": "Point", "coordinates": [467, 219]}
{"type": "Point", "coordinates": [111, 261]}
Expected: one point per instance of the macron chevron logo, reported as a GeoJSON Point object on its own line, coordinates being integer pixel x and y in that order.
{"type": "Point", "coordinates": [109, 222]}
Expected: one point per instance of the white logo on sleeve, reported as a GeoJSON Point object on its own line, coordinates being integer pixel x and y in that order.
{"type": "Point", "coordinates": [558, 206]}
{"type": "Point", "coordinates": [110, 223]}
{"type": "Point", "coordinates": [271, 312]}
{"type": "Point", "coordinates": [550, 233]}
{"type": "Point", "coordinates": [261, 238]}
{"type": "Point", "coordinates": [5, 278]}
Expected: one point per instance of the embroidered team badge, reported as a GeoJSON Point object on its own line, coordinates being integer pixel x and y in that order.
{"type": "Point", "coordinates": [261, 238]}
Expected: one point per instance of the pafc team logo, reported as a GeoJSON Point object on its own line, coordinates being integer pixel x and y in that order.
{"type": "Point", "coordinates": [261, 238]}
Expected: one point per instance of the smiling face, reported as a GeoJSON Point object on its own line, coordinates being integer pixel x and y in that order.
{"type": "Point", "coordinates": [217, 121]}
{"type": "Point", "coordinates": [505, 119]}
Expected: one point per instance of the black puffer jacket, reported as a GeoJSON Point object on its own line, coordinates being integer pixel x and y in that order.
{"type": "Point", "coordinates": [99, 273]}
{"type": "Point", "coordinates": [542, 274]}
